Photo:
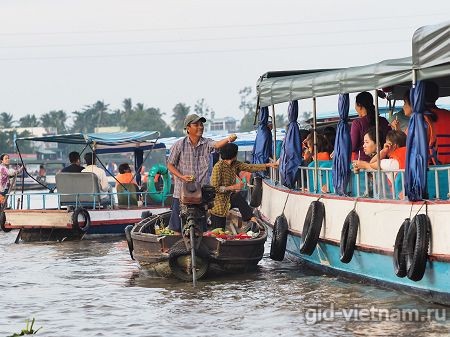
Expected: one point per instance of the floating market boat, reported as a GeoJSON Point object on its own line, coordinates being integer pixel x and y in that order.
{"type": "Point", "coordinates": [78, 208]}
{"type": "Point", "coordinates": [158, 250]}
{"type": "Point", "coordinates": [359, 225]}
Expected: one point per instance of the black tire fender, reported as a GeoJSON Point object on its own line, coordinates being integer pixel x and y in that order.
{"type": "Point", "coordinates": [312, 227]}
{"type": "Point", "coordinates": [178, 250]}
{"type": "Point", "coordinates": [256, 196]}
{"type": "Point", "coordinates": [3, 222]}
{"type": "Point", "coordinates": [87, 219]}
{"type": "Point", "coordinates": [399, 258]}
{"type": "Point", "coordinates": [146, 214]}
{"type": "Point", "coordinates": [129, 239]}
{"type": "Point", "coordinates": [279, 238]}
{"type": "Point", "coordinates": [417, 241]}
{"type": "Point", "coordinates": [348, 236]}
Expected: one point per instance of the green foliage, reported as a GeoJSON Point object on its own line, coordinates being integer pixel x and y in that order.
{"type": "Point", "coordinates": [55, 119]}
{"type": "Point", "coordinates": [28, 330]}
{"type": "Point", "coordinates": [248, 107]}
{"type": "Point", "coordinates": [7, 142]}
{"type": "Point", "coordinates": [142, 118]}
{"type": "Point", "coordinates": [29, 121]}
{"type": "Point", "coordinates": [6, 120]}
{"type": "Point", "coordinates": [203, 109]}
{"type": "Point", "coordinates": [180, 111]}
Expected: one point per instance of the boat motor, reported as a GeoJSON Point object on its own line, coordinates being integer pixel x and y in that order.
{"type": "Point", "coordinates": [194, 204]}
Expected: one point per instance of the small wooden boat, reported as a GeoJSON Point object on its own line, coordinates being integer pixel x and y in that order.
{"type": "Point", "coordinates": [170, 255]}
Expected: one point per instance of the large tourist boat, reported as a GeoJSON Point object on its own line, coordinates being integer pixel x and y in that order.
{"type": "Point", "coordinates": [393, 232]}
{"type": "Point", "coordinates": [77, 208]}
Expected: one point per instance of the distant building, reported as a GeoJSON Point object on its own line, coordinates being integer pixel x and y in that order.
{"type": "Point", "coordinates": [106, 129]}
{"type": "Point", "coordinates": [220, 125]}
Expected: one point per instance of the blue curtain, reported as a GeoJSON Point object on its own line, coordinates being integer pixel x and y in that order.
{"type": "Point", "coordinates": [416, 147]}
{"type": "Point", "coordinates": [262, 149]}
{"type": "Point", "coordinates": [342, 148]}
{"type": "Point", "coordinates": [291, 153]}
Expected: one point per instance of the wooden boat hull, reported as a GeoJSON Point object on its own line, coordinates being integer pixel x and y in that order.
{"type": "Point", "coordinates": [223, 256]}
{"type": "Point", "coordinates": [58, 225]}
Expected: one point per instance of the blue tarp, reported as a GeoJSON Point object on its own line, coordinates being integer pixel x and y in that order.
{"type": "Point", "coordinates": [416, 147]}
{"type": "Point", "coordinates": [342, 148]}
{"type": "Point", "coordinates": [262, 150]}
{"type": "Point", "coordinates": [291, 153]}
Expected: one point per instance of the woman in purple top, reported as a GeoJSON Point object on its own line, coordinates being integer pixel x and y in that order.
{"type": "Point", "coordinates": [366, 112]}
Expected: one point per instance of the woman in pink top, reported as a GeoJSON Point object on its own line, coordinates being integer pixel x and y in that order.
{"type": "Point", "coordinates": [366, 112]}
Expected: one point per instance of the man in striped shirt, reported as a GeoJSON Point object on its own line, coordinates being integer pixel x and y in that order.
{"type": "Point", "coordinates": [189, 160]}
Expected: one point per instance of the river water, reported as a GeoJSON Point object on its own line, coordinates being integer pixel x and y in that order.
{"type": "Point", "coordinates": [93, 288]}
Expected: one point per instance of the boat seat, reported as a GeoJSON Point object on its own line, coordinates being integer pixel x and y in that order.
{"type": "Point", "coordinates": [79, 189]}
{"type": "Point", "coordinates": [127, 199]}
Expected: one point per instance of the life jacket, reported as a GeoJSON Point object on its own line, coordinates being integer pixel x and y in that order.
{"type": "Point", "coordinates": [323, 156]}
{"type": "Point", "coordinates": [441, 149]}
{"type": "Point", "coordinates": [399, 155]}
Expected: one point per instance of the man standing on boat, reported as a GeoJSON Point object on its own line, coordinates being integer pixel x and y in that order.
{"type": "Point", "coordinates": [75, 163]}
{"type": "Point", "coordinates": [189, 160]}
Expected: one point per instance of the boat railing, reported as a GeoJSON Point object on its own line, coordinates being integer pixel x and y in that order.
{"type": "Point", "coordinates": [110, 200]}
{"type": "Point", "coordinates": [386, 184]}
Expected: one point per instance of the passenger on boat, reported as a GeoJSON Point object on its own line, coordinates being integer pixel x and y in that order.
{"type": "Point", "coordinates": [5, 173]}
{"type": "Point", "coordinates": [125, 175]}
{"type": "Point", "coordinates": [323, 148]}
{"type": "Point", "coordinates": [227, 190]}
{"type": "Point", "coordinates": [440, 120]}
{"type": "Point", "coordinates": [400, 120]}
{"type": "Point", "coordinates": [75, 163]}
{"type": "Point", "coordinates": [189, 160]}
{"type": "Point", "coordinates": [104, 186]}
{"type": "Point", "coordinates": [392, 156]}
{"type": "Point", "coordinates": [369, 148]}
{"type": "Point", "coordinates": [323, 157]}
{"type": "Point", "coordinates": [366, 112]}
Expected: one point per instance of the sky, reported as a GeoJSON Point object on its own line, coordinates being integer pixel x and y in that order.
{"type": "Point", "coordinates": [67, 54]}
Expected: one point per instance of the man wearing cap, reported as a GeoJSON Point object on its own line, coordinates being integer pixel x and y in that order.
{"type": "Point", "coordinates": [189, 160]}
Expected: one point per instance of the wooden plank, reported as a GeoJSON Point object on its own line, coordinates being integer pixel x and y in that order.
{"type": "Point", "coordinates": [39, 218]}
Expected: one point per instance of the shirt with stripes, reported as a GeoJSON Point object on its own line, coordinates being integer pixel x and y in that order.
{"type": "Point", "coordinates": [191, 159]}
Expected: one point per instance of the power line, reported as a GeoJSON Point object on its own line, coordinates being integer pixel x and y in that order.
{"type": "Point", "coordinates": [230, 38]}
{"type": "Point", "coordinates": [196, 52]}
{"type": "Point", "coordinates": [303, 22]}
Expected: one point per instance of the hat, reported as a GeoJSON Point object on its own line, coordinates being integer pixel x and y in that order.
{"type": "Point", "coordinates": [194, 118]}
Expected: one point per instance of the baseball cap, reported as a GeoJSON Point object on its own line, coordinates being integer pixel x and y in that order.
{"type": "Point", "coordinates": [193, 118]}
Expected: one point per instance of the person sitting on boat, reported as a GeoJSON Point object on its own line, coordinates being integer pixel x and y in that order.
{"type": "Point", "coordinates": [224, 180]}
{"type": "Point", "coordinates": [323, 156]}
{"type": "Point", "coordinates": [125, 175]}
{"type": "Point", "coordinates": [370, 150]}
{"type": "Point", "coordinates": [367, 114]}
{"type": "Point", "coordinates": [5, 173]}
{"type": "Point", "coordinates": [103, 184]}
{"type": "Point", "coordinates": [392, 156]}
{"type": "Point", "coordinates": [75, 163]}
{"type": "Point", "coordinates": [439, 119]}
{"type": "Point", "coordinates": [189, 159]}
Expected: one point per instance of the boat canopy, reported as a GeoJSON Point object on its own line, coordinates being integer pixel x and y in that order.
{"type": "Point", "coordinates": [105, 142]}
{"type": "Point", "coordinates": [430, 60]}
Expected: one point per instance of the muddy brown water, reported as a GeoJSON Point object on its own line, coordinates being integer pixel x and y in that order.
{"type": "Point", "coordinates": [93, 288]}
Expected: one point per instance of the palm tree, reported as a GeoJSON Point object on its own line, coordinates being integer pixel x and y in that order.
{"type": "Point", "coordinates": [55, 119]}
{"type": "Point", "coordinates": [180, 111]}
{"type": "Point", "coordinates": [29, 121]}
{"type": "Point", "coordinates": [6, 120]}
